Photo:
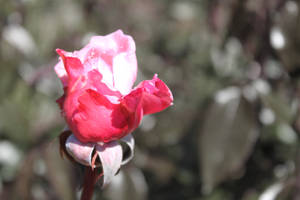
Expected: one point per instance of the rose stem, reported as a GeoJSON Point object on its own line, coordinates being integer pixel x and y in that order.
{"type": "Point", "coordinates": [90, 179]}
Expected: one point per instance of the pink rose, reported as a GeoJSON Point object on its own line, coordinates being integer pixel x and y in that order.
{"type": "Point", "coordinates": [101, 107]}
{"type": "Point", "coordinates": [99, 103]}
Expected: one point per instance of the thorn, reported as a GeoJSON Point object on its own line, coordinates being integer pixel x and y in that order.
{"type": "Point", "coordinates": [93, 164]}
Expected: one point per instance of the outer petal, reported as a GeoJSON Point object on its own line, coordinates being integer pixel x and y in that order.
{"type": "Point", "coordinates": [154, 95]}
{"type": "Point", "coordinates": [133, 104]}
{"type": "Point", "coordinates": [61, 100]}
{"type": "Point", "coordinates": [92, 110]}
{"type": "Point", "coordinates": [60, 69]}
{"type": "Point", "coordinates": [61, 72]}
{"type": "Point", "coordinates": [73, 65]}
{"type": "Point", "coordinates": [97, 119]}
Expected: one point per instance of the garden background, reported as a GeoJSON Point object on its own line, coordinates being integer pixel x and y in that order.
{"type": "Point", "coordinates": [233, 67]}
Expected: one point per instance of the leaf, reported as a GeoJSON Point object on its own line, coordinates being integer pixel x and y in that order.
{"type": "Point", "coordinates": [111, 154]}
{"type": "Point", "coordinates": [111, 158]}
{"type": "Point", "coordinates": [228, 134]}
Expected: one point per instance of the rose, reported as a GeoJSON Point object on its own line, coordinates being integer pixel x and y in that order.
{"type": "Point", "coordinates": [99, 104]}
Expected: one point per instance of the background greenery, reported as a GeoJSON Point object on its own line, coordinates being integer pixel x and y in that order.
{"type": "Point", "coordinates": [233, 67]}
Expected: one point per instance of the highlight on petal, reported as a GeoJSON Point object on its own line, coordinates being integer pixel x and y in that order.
{"type": "Point", "coordinates": [116, 42]}
{"type": "Point", "coordinates": [117, 50]}
{"type": "Point", "coordinates": [124, 71]}
{"type": "Point", "coordinates": [81, 152]}
{"type": "Point", "coordinates": [128, 150]}
{"type": "Point", "coordinates": [98, 59]}
{"type": "Point", "coordinates": [111, 158]}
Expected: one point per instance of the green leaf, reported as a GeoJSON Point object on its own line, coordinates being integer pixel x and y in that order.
{"type": "Point", "coordinates": [227, 137]}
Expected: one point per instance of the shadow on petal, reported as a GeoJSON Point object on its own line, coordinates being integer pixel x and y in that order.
{"type": "Point", "coordinates": [127, 143]}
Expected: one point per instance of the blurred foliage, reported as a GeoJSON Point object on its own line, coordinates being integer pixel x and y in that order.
{"type": "Point", "coordinates": [233, 67]}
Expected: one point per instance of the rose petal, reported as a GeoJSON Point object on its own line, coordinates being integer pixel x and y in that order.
{"type": "Point", "coordinates": [111, 158]}
{"type": "Point", "coordinates": [116, 42]}
{"type": "Point", "coordinates": [81, 152]}
{"type": "Point", "coordinates": [61, 72]}
{"type": "Point", "coordinates": [61, 100]}
{"type": "Point", "coordinates": [60, 69]}
{"type": "Point", "coordinates": [117, 50]}
{"type": "Point", "coordinates": [94, 59]}
{"type": "Point", "coordinates": [129, 141]}
{"type": "Point", "coordinates": [125, 63]}
{"type": "Point", "coordinates": [133, 104]}
{"type": "Point", "coordinates": [125, 66]}
{"type": "Point", "coordinates": [94, 80]}
{"type": "Point", "coordinates": [156, 95]}
{"type": "Point", "coordinates": [97, 119]}
{"type": "Point", "coordinates": [73, 66]}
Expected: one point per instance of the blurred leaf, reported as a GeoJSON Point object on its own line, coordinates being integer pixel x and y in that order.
{"type": "Point", "coordinates": [271, 192]}
{"type": "Point", "coordinates": [281, 109]}
{"type": "Point", "coordinates": [58, 173]}
{"type": "Point", "coordinates": [10, 158]}
{"type": "Point", "coordinates": [23, 181]}
{"type": "Point", "coordinates": [218, 195]}
{"type": "Point", "coordinates": [20, 38]}
{"type": "Point", "coordinates": [197, 48]}
{"type": "Point", "coordinates": [129, 184]}
{"type": "Point", "coordinates": [227, 137]}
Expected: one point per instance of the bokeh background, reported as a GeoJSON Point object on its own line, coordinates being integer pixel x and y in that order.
{"type": "Point", "coordinates": [233, 67]}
